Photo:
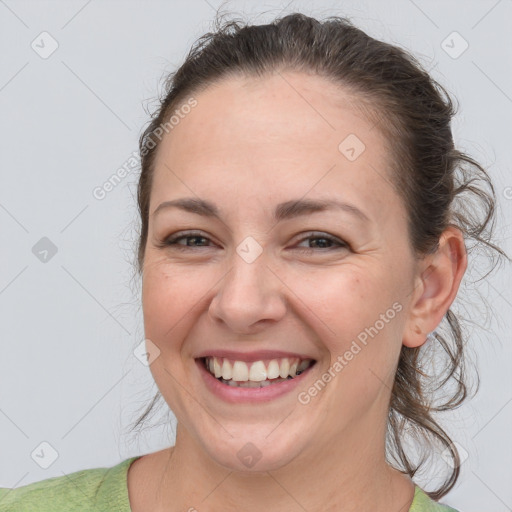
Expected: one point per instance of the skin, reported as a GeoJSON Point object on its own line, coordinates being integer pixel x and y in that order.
{"type": "Point", "coordinates": [248, 145]}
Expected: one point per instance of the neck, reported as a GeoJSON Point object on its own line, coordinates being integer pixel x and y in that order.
{"type": "Point", "coordinates": [349, 475]}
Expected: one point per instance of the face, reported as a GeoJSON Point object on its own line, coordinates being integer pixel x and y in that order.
{"type": "Point", "coordinates": [261, 283]}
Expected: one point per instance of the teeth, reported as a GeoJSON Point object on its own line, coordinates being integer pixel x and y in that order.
{"type": "Point", "coordinates": [217, 368]}
{"type": "Point", "coordinates": [240, 371]}
{"type": "Point", "coordinates": [226, 370]}
{"type": "Point", "coordinates": [251, 384]}
{"type": "Point", "coordinates": [247, 374]}
{"type": "Point", "coordinates": [305, 364]}
{"type": "Point", "coordinates": [258, 372]}
{"type": "Point", "coordinates": [284, 369]}
{"type": "Point", "coordinates": [273, 369]}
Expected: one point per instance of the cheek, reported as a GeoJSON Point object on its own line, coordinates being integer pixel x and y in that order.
{"type": "Point", "coordinates": [346, 299]}
{"type": "Point", "coordinates": [168, 300]}
{"type": "Point", "coordinates": [356, 313]}
{"type": "Point", "coordinates": [358, 317]}
{"type": "Point", "coordinates": [169, 296]}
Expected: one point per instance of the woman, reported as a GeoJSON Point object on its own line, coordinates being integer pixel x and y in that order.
{"type": "Point", "coordinates": [301, 246]}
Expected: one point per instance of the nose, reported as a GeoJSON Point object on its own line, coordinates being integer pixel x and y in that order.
{"type": "Point", "coordinates": [250, 296]}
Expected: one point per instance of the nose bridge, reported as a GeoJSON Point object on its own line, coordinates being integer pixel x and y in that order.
{"type": "Point", "coordinates": [248, 277]}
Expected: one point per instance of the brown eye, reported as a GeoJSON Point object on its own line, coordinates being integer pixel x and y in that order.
{"type": "Point", "coordinates": [326, 242]}
{"type": "Point", "coordinates": [197, 238]}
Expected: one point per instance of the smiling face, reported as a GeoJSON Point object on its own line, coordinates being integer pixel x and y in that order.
{"type": "Point", "coordinates": [259, 277]}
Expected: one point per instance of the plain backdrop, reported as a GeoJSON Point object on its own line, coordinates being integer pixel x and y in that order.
{"type": "Point", "coordinates": [76, 78]}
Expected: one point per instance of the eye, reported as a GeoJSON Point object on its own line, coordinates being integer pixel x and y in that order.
{"type": "Point", "coordinates": [191, 235]}
{"type": "Point", "coordinates": [327, 242]}
{"type": "Point", "coordinates": [324, 238]}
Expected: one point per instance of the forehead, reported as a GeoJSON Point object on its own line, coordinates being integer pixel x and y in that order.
{"type": "Point", "coordinates": [287, 133]}
{"type": "Point", "coordinates": [289, 107]}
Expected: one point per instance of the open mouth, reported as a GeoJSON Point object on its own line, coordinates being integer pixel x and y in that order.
{"type": "Point", "coordinates": [256, 374]}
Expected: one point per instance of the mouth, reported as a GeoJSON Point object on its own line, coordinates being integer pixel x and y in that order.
{"type": "Point", "coordinates": [255, 374]}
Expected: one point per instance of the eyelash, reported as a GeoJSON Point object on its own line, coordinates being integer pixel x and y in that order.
{"type": "Point", "coordinates": [173, 239]}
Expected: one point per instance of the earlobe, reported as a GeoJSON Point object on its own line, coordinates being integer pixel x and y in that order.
{"type": "Point", "coordinates": [436, 288]}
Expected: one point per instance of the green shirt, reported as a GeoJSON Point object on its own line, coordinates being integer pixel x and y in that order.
{"type": "Point", "coordinates": [106, 490]}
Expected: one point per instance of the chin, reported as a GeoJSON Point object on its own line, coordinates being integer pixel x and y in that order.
{"type": "Point", "coordinates": [253, 449]}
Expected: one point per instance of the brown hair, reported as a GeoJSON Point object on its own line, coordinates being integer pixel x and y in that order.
{"type": "Point", "coordinates": [439, 184]}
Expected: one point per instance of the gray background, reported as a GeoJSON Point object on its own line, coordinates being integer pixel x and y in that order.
{"type": "Point", "coordinates": [70, 324]}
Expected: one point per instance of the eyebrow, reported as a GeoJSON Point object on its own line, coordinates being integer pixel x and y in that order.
{"type": "Point", "coordinates": [287, 210]}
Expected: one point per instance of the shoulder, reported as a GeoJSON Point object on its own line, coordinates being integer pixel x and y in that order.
{"type": "Point", "coordinates": [422, 502]}
{"type": "Point", "coordinates": [84, 490]}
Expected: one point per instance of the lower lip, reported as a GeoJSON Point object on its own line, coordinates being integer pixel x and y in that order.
{"type": "Point", "coordinates": [247, 395]}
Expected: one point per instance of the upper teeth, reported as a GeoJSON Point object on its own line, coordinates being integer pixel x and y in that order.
{"type": "Point", "coordinates": [256, 371]}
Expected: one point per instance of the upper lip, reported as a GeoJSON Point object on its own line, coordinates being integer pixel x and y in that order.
{"type": "Point", "coordinates": [256, 355]}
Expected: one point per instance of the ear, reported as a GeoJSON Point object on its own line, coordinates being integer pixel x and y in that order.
{"type": "Point", "coordinates": [436, 285]}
